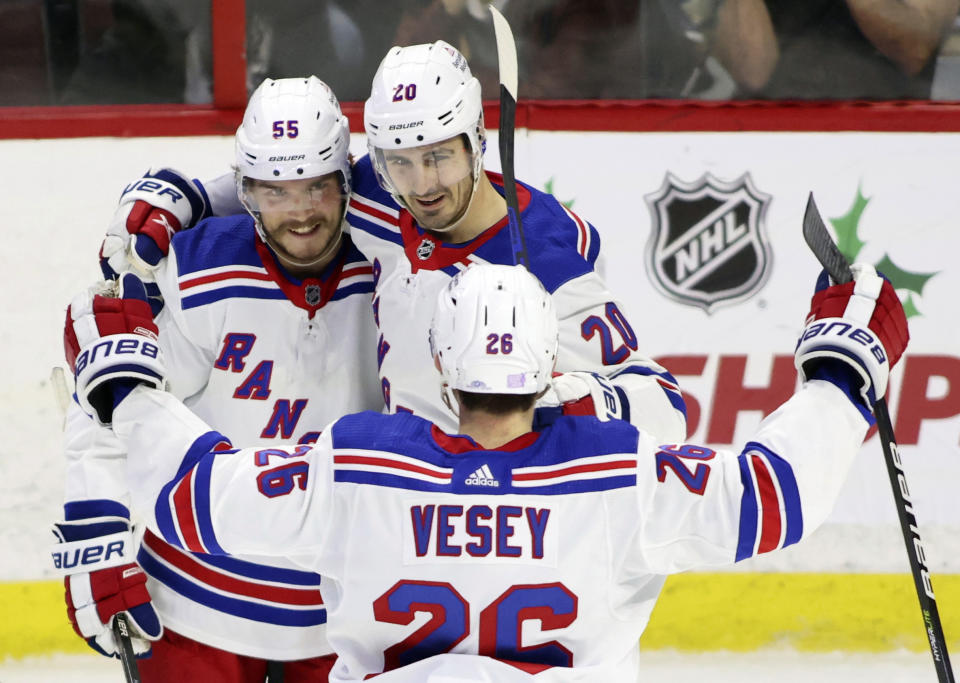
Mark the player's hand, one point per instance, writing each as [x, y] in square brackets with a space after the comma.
[861, 325]
[151, 210]
[585, 393]
[110, 343]
[96, 557]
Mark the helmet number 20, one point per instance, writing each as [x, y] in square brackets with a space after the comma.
[404, 92]
[288, 128]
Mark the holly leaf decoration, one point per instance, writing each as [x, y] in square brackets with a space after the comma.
[848, 239]
[548, 188]
[900, 278]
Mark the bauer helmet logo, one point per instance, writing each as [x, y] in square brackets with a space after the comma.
[707, 245]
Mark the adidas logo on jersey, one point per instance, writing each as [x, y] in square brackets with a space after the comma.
[483, 477]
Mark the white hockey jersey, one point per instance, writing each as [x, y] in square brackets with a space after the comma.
[411, 267]
[546, 554]
[266, 360]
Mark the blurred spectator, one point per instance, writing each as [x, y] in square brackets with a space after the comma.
[24, 78]
[145, 51]
[138, 59]
[588, 49]
[853, 49]
[291, 38]
[577, 49]
[466, 25]
[946, 72]
[706, 49]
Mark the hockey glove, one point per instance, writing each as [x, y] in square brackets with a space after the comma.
[581, 393]
[96, 557]
[110, 342]
[151, 210]
[860, 324]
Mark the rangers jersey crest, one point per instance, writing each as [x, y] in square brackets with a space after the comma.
[707, 245]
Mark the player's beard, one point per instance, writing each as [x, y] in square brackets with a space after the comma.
[307, 249]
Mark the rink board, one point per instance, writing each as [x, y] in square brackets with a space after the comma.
[697, 612]
[732, 356]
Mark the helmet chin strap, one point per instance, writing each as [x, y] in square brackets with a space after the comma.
[449, 399]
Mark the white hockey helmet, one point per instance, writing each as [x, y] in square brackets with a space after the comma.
[494, 331]
[292, 129]
[422, 95]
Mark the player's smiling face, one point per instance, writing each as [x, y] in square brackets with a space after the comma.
[435, 181]
[300, 217]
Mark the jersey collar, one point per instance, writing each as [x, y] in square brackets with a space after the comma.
[427, 252]
[457, 444]
[310, 294]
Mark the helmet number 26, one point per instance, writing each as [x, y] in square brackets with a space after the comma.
[504, 341]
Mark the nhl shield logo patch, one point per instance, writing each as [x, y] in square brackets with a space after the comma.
[425, 249]
[707, 244]
[312, 294]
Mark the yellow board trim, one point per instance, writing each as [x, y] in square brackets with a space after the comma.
[697, 612]
[809, 612]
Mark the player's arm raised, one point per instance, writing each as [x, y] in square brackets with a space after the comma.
[702, 507]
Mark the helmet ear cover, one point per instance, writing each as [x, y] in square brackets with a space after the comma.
[494, 331]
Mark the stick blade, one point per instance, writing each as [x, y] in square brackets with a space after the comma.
[822, 245]
[506, 52]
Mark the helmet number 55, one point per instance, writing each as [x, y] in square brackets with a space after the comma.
[291, 130]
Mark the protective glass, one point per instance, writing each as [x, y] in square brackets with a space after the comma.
[302, 196]
[425, 171]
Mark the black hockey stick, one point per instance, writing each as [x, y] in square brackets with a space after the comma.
[121, 632]
[823, 247]
[507, 64]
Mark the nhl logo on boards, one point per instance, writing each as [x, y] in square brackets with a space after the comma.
[425, 249]
[312, 294]
[707, 245]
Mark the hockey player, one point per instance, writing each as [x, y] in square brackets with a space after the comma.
[424, 208]
[497, 550]
[267, 332]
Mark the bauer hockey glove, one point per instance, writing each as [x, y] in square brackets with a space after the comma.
[96, 557]
[581, 393]
[859, 326]
[151, 210]
[110, 343]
